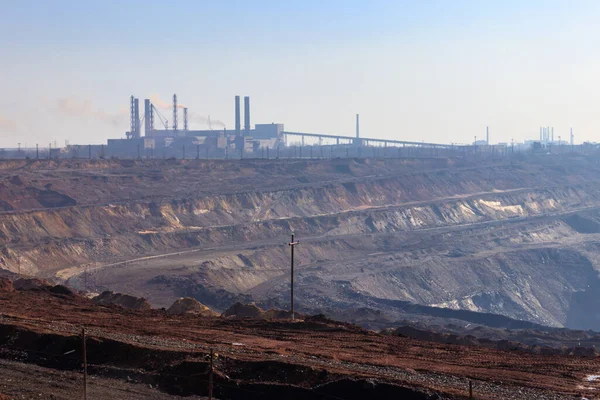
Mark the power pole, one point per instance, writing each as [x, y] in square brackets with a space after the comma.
[292, 243]
[84, 355]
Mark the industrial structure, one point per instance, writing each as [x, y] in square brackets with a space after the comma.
[159, 138]
[162, 138]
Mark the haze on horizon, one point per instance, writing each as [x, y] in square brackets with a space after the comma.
[431, 70]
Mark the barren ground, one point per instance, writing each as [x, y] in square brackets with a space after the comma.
[151, 347]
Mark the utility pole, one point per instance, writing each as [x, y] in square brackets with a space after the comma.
[292, 243]
[84, 355]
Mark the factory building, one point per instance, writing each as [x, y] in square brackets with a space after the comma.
[169, 140]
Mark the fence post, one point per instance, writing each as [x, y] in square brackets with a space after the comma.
[210, 377]
[84, 355]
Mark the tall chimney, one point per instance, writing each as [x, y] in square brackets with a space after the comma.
[238, 122]
[137, 118]
[132, 117]
[151, 120]
[572, 137]
[487, 135]
[553, 134]
[175, 113]
[545, 135]
[246, 116]
[357, 126]
[185, 119]
[147, 118]
[541, 134]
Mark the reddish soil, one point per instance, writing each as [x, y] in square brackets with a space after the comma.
[281, 358]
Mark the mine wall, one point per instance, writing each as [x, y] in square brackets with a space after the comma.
[341, 220]
[43, 241]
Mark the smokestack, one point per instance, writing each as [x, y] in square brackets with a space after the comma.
[541, 134]
[132, 117]
[357, 126]
[545, 135]
[175, 113]
[571, 136]
[185, 119]
[246, 115]
[137, 118]
[147, 118]
[238, 122]
[487, 135]
[151, 120]
[552, 134]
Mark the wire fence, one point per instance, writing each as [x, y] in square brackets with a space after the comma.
[199, 383]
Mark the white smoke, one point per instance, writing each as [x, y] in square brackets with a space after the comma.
[7, 124]
[159, 103]
[84, 108]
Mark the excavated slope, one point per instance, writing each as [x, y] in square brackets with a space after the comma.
[517, 238]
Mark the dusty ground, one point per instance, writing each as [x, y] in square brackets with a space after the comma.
[152, 347]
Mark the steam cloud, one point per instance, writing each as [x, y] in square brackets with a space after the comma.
[199, 119]
[7, 124]
[77, 108]
[158, 102]
[192, 118]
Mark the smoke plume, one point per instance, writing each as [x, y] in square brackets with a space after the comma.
[200, 119]
[7, 125]
[71, 107]
[159, 103]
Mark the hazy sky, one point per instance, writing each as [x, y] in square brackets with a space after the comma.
[437, 71]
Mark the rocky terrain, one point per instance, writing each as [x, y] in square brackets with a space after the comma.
[382, 240]
[135, 354]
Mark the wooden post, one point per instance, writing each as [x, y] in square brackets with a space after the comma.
[210, 376]
[292, 244]
[84, 355]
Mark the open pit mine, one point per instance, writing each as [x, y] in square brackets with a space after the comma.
[440, 271]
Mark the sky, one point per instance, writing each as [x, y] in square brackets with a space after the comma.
[422, 70]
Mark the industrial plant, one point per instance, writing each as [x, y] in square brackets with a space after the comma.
[161, 138]
[164, 138]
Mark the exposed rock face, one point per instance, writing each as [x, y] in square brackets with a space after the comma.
[123, 300]
[516, 238]
[187, 305]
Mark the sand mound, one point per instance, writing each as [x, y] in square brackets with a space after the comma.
[123, 300]
[6, 285]
[31, 284]
[239, 310]
[187, 305]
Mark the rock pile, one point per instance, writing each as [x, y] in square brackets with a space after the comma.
[123, 300]
[187, 305]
